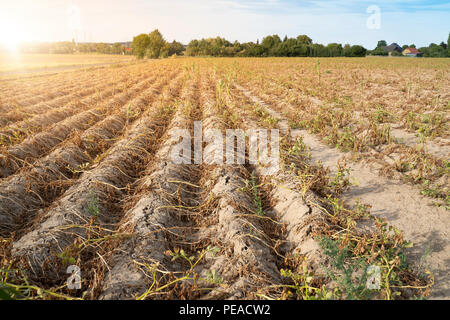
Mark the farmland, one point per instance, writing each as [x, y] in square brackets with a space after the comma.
[13, 63]
[87, 181]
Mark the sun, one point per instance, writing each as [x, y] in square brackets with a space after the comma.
[12, 35]
[9, 43]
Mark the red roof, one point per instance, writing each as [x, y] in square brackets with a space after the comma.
[412, 50]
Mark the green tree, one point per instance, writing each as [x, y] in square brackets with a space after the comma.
[358, 51]
[448, 45]
[381, 43]
[379, 52]
[435, 50]
[164, 51]
[176, 48]
[347, 50]
[304, 39]
[270, 43]
[157, 46]
[335, 50]
[140, 44]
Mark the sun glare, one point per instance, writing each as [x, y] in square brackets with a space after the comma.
[12, 35]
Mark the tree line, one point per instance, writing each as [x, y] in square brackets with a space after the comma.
[272, 46]
[153, 45]
[71, 47]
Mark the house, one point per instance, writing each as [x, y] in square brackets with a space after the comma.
[412, 52]
[392, 48]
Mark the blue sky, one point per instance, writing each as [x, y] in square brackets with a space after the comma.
[325, 21]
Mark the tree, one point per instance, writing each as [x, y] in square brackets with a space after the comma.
[176, 48]
[269, 43]
[347, 50]
[117, 48]
[304, 39]
[192, 48]
[358, 51]
[291, 47]
[164, 51]
[318, 50]
[102, 48]
[381, 43]
[435, 50]
[334, 50]
[216, 47]
[157, 46]
[140, 44]
[448, 45]
[379, 52]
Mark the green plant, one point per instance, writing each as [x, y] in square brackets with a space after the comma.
[257, 201]
[213, 278]
[14, 285]
[341, 180]
[93, 208]
[381, 115]
[351, 286]
[318, 69]
[302, 284]
[66, 257]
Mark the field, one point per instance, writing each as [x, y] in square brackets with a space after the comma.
[11, 64]
[87, 181]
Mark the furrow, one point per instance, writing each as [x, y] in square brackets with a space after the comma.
[24, 193]
[247, 262]
[93, 199]
[31, 88]
[37, 145]
[28, 112]
[31, 95]
[14, 132]
[395, 201]
[154, 213]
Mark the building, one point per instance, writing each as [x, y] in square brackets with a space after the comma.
[392, 48]
[412, 52]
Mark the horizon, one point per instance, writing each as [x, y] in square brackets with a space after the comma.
[102, 21]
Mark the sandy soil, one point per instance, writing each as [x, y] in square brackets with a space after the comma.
[427, 226]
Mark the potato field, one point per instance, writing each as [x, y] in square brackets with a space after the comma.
[358, 209]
